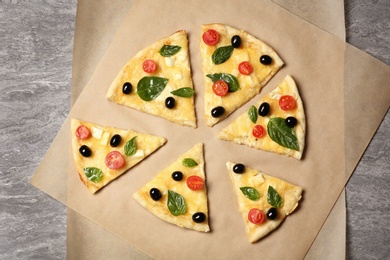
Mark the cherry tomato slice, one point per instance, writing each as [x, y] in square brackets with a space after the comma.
[245, 68]
[220, 88]
[256, 216]
[195, 182]
[82, 132]
[258, 131]
[210, 37]
[149, 66]
[114, 160]
[287, 103]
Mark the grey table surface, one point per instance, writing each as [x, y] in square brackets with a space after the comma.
[35, 81]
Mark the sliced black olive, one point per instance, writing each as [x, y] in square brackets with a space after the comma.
[272, 213]
[199, 217]
[155, 194]
[291, 121]
[127, 88]
[217, 111]
[115, 140]
[170, 102]
[265, 60]
[85, 151]
[177, 176]
[264, 109]
[236, 41]
[239, 168]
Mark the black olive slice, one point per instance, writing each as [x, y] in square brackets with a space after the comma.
[291, 121]
[199, 217]
[115, 140]
[217, 111]
[177, 176]
[239, 168]
[155, 194]
[264, 109]
[170, 102]
[236, 41]
[85, 151]
[265, 60]
[127, 88]
[272, 213]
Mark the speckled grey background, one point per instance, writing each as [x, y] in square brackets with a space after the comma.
[35, 80]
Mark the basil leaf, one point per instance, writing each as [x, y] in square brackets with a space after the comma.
[273, 198]
[252, 113]
[169, 50]
[148, 88]
[222, 54]
[93, 174]
[130, 147]
[228, 78]
[250, 193]
[189, 162]
[282, 134]
[183, 92]
[176, 204]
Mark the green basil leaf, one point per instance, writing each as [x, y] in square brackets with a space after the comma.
[282, 134]
[228, 78]
[183, 92]
[131, 147]
[222, 54]
[148, 88]
[169, 50]
[250, 193]
[273, 198]
[252, 113]
[93, 174]
[189, 162]
[176, 204]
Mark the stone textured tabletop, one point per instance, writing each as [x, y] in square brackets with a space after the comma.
[35, 81]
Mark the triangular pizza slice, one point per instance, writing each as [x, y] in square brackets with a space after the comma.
[102, 153]
[276, 123]
[263, 201]
[157, 80]
[236, 65]
[178, 194]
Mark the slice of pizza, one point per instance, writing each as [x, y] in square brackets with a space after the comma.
[263, 201]
[157, 80]
[276, 123]
[178, 194]
[102, 154]
[236, 65]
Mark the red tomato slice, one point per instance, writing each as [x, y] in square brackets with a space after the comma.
[245, 68]
[82, 132]
[287, 103]
[195, 182]
[220, 88]
[114, 160]
[210, 37]
[149, 66]
[256, 216]
[258, 131]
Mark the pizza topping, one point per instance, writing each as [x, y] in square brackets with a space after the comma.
[114, 160]
[176, 204]
[287, 103]
[210, 37]
[291, 121]
[170, 102]
[239, 168]
[127, 88]
[222, 54]
[236, 41]
[280, 133]
[195, 182]
[85, 151]
[130, 147]
[155, 194]
[245, 68]
[220, 88]
[115, 140]
[169, 50]
[272, 213]
[96, 132]
[149, 66]
[183, 92]
[250, 192]
[189, 162]
[273, 198]
[264, 109]
[252, 113]
[82, 132]
[149, 88]
[93, 174]
[177, 175]
[228, 78]
[258, 131]
[217, 111]
[256, 216]
[265, 60]
[199, 217]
